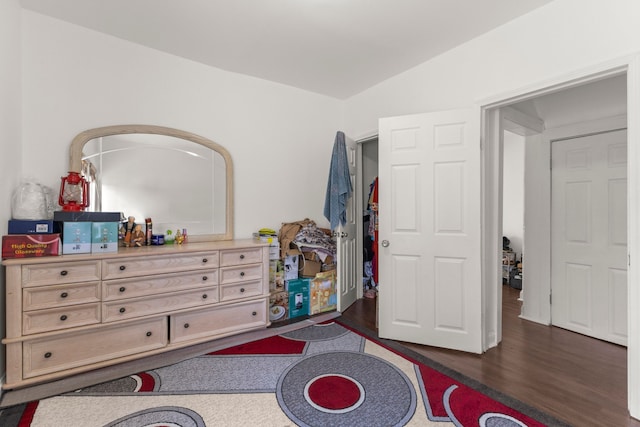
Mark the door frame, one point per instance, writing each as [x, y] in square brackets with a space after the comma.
[491, 135]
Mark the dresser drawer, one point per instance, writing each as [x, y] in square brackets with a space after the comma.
[44, 356]
[55, 319]
[217, 321]
[161, 303]
[132, 267]
[60, 273]
[60, 295]
[240, 290]
[241, 273]
[240, 256]
[141, 286]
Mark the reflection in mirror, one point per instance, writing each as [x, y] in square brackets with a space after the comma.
[176, 178]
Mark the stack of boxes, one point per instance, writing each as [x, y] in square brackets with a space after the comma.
[67, 233]
[88, 232]
[297, 283]
[31, 238]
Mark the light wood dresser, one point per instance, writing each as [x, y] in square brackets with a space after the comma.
[74, 313]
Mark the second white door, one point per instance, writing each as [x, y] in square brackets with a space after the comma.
[589, 235]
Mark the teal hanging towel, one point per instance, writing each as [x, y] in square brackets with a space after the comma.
[339, 187]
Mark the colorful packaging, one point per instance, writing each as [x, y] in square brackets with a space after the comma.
[298, 297]
[104, 237]
[323, 292]
[30, 245]
[76, 238]
[279, 306]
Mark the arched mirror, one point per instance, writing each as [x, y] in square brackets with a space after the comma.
[176, 178]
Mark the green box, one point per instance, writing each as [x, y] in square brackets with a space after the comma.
[104, 237]
[76, 238]
[298, 297]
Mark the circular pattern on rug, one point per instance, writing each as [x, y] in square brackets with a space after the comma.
[318, 332]
[346, 388]
[165, 416]
[493, 419]
[334, 393]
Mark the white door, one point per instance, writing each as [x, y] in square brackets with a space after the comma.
[429, 229]
[589, 235]
[346, 240]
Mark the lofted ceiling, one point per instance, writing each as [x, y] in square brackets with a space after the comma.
[333, 47]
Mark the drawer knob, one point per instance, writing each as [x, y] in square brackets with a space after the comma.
[122, 289]
[204, 260]
[64, 272]
[186, 326]
[149, 334]
[242, 274]
[64, 295]
[254, 313]
[241, 290]
[204, 296]
[242, 256]
[63, 317]
[48, 354]
[122, 309]
[205, 278]
[123, 267]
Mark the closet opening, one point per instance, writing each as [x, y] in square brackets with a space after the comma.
[367, 209]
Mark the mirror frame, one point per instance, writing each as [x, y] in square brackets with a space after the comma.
[77, 144]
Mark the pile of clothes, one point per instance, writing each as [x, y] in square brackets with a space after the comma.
[307, 239]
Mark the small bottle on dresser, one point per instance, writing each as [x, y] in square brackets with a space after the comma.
[149, 230]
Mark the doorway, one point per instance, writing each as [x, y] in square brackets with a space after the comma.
[591, 108]
[366, 183]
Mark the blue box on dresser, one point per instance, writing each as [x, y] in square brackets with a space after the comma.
[27, 226]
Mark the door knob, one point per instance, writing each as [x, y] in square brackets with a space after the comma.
[343, 234]
[385, 243]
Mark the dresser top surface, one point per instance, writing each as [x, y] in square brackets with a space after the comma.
[142, 251]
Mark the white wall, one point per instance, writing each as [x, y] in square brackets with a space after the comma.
[513, 191]
[561, 37]
[280, 138]
[9, 124]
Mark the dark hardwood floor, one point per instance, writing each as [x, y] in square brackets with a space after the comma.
[577, 379]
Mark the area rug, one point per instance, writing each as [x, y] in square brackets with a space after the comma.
[322, 375]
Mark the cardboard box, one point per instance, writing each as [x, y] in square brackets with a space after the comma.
[310, 268]
[298, 297]
[30, 245]
[76, 238]
[25, 226]
[82, 216]
[279, 306]
[104, 237]
[312, 256]
[291, 267]
[323, 292]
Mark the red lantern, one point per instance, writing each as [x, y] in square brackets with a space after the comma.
[74, 192]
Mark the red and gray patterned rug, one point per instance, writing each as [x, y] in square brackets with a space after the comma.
[321, 375]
